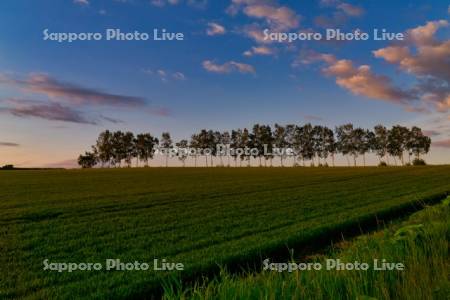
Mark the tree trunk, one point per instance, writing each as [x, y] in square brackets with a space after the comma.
[364, 159]
[354, 160]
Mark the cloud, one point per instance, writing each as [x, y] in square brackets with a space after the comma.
[51, 111]
[421, 55]
[431, 56]
[359, 80]
[255, 32]
[179, 76]
[275, 16]
[312, 118]
[159, 111]
[215, 29]
[111, 120]
[81, 2]
[162, 3]
[74, 96]
[335, 20]
[362, 81]
[68, 164]
[341, 14]
[350, 10]
[431, 132]
[347, 8]
[427, 58]
[442, 143]
[194, 3]
[71, 93]
[8, 144]
[165, 75]
[227, 67]
[260, 50]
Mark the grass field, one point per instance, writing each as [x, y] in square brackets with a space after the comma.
[421, 244]
[199, 217]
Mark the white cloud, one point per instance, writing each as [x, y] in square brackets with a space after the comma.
[165, 75]
[161, 3]
[178, 76]
[81, 2]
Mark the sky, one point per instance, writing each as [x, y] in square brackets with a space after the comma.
[57, 96]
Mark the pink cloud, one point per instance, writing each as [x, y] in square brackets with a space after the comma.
[442, 143]
[427, 58]
[72, 93]
[52, 111]
[343, 11]
[350, 10]
[227, 67]
[68, 164]
[215, 29]
[260, 50]
[362, 81]
[8, 144]
[276, 16]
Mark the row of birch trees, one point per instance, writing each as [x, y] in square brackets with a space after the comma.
[291, 145]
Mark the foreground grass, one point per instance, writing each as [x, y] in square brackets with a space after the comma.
[200, 217]
[421, 243]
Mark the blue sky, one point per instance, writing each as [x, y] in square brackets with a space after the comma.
[213, 78]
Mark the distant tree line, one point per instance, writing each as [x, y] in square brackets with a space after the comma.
[298, 144]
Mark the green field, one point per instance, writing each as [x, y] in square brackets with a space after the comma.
[199, 217]
[420, 243]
